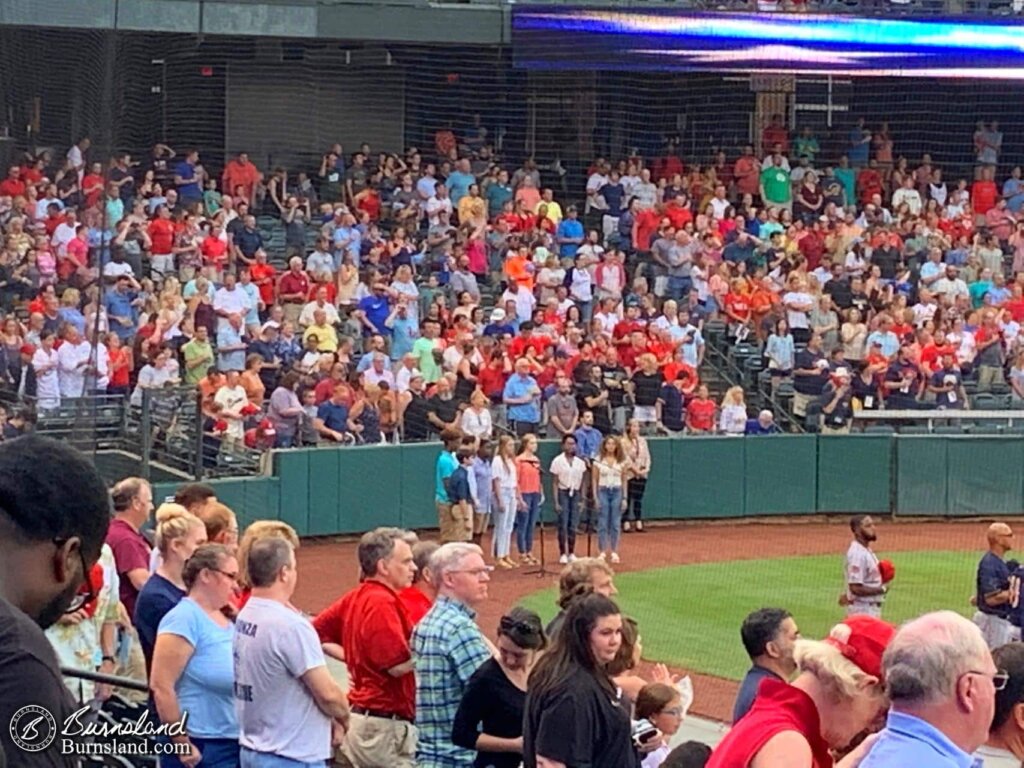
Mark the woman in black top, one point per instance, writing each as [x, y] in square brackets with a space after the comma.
[490, 716]
[574, 714]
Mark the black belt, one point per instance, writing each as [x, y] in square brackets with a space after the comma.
[382, 715]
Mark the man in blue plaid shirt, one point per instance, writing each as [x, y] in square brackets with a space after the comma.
[448, 647]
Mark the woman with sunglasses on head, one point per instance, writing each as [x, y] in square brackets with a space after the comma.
[490, 717]
[193, 665]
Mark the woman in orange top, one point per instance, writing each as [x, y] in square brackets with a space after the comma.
[519, 267]
[528, 512]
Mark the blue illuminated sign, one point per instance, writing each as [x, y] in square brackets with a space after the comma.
[586, 39]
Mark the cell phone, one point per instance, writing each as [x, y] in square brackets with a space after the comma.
[643, 732]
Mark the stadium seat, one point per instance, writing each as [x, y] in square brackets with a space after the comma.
[985, 429]
[983, 401]
[949, 429]
[879, 429]
[914, 429]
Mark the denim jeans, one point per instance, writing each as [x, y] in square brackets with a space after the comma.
[568, 520]
[609, 517]
[504, 519]
[251, 759]
[526, 522]
[217, 753]
[679, 287]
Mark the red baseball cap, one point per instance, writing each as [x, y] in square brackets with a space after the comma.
[28, 349]
[886, 570]
[862, 640]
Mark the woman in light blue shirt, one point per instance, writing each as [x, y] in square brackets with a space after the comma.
[193, 667]
[780, 352]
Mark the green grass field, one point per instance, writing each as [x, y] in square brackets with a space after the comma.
[690, 615]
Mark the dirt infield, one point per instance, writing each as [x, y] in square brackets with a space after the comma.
[328, 567]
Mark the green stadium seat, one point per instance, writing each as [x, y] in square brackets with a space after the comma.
[949, 429]
[879, 429]
[914, 429]
[984, 401]
[984, 429]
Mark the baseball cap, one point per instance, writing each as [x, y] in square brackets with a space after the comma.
[887, 570]
[632, 301]
[862, 640]
[268, 427]
[270, 325]
[28, 349]
[497, 315]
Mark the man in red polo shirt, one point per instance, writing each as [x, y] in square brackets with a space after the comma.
[371, 626]
[13, 185]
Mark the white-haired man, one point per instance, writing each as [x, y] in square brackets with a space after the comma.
[448, 647]
[942, 683]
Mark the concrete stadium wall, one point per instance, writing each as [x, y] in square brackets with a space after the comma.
[327, 491]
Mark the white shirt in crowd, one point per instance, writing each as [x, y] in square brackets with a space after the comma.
[797, 318]
[232, 400]
[47, 379]
[234, 302]
[274, 647]
[72, 360]
[306, 315]
[476, 424]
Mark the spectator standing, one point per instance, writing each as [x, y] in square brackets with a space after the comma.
[639, 457]
[942, 683]
[287, 703]
[178, 534]
[285, 410]
[444, 468]
[568, 473]
[732, 418]
[610, 471]
[810, 375]
[490, 716]
[769, 637]
[992, 593]
[372, 627]
[448, 648]
[521, 397]
[193, 673]
[837, 693]
[574, 713]
[1005, 746]
[51, 531]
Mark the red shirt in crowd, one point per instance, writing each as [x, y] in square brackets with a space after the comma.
[12, 187]
[520, 345]
[492, 380]
[701, 414]
[983, 196]
[161, 232]
[294, 283]
[263, 276]
[869, 181]
[647, 222]
[215, 251]
[371, 624]
[678, 215]
[1016, 307]
[416, 604]
[778, 707]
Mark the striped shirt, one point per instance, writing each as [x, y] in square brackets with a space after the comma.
[449, 648]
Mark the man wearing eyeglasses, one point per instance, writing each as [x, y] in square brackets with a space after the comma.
[448, 647]
[994, 597]
[52, 526]
[942, 683]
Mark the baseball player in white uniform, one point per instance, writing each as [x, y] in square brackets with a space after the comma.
[865, 591]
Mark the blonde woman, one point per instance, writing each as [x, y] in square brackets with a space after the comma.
[732, 419]
[639, 456]
[837, 694]
[505, 480]
[178, 533]
[609, 474]
[258, 531]
[476, 419]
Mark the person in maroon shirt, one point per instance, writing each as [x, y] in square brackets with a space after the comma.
[370, 625]
[13, 185]
[775, 133]
[292, 289]
[133, 505]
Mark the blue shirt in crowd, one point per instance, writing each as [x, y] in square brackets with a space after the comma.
[520, 386]
[908, 740]
[333, 416]
[446, 465]
[993, 576]
[569, 228]
[588, 440]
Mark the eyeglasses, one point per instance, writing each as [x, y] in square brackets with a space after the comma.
[674, 712]
[478, 572]
[232, 576]
[999, 679]
[81, 598]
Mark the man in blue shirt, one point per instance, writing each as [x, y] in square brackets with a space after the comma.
[332, 415]
[588, 438]
[231, 346]
[769, 636]
[992, 593]
[497, 194]
[569, 234]
[373, 311]
[942, 683]
[460, 525]
[189, 190]
[459, 181]
[764, 424]
[522, 398]
[121, 310]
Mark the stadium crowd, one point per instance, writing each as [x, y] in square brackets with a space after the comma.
[376, 297]
[205, 620]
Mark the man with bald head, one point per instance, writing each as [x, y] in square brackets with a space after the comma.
[993, 594]
[942, 683]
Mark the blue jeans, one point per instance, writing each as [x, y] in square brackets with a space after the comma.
[252, 759]
[609, 517]
[526, 521]
[679, 287]
[568, 520]
[217, 753]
